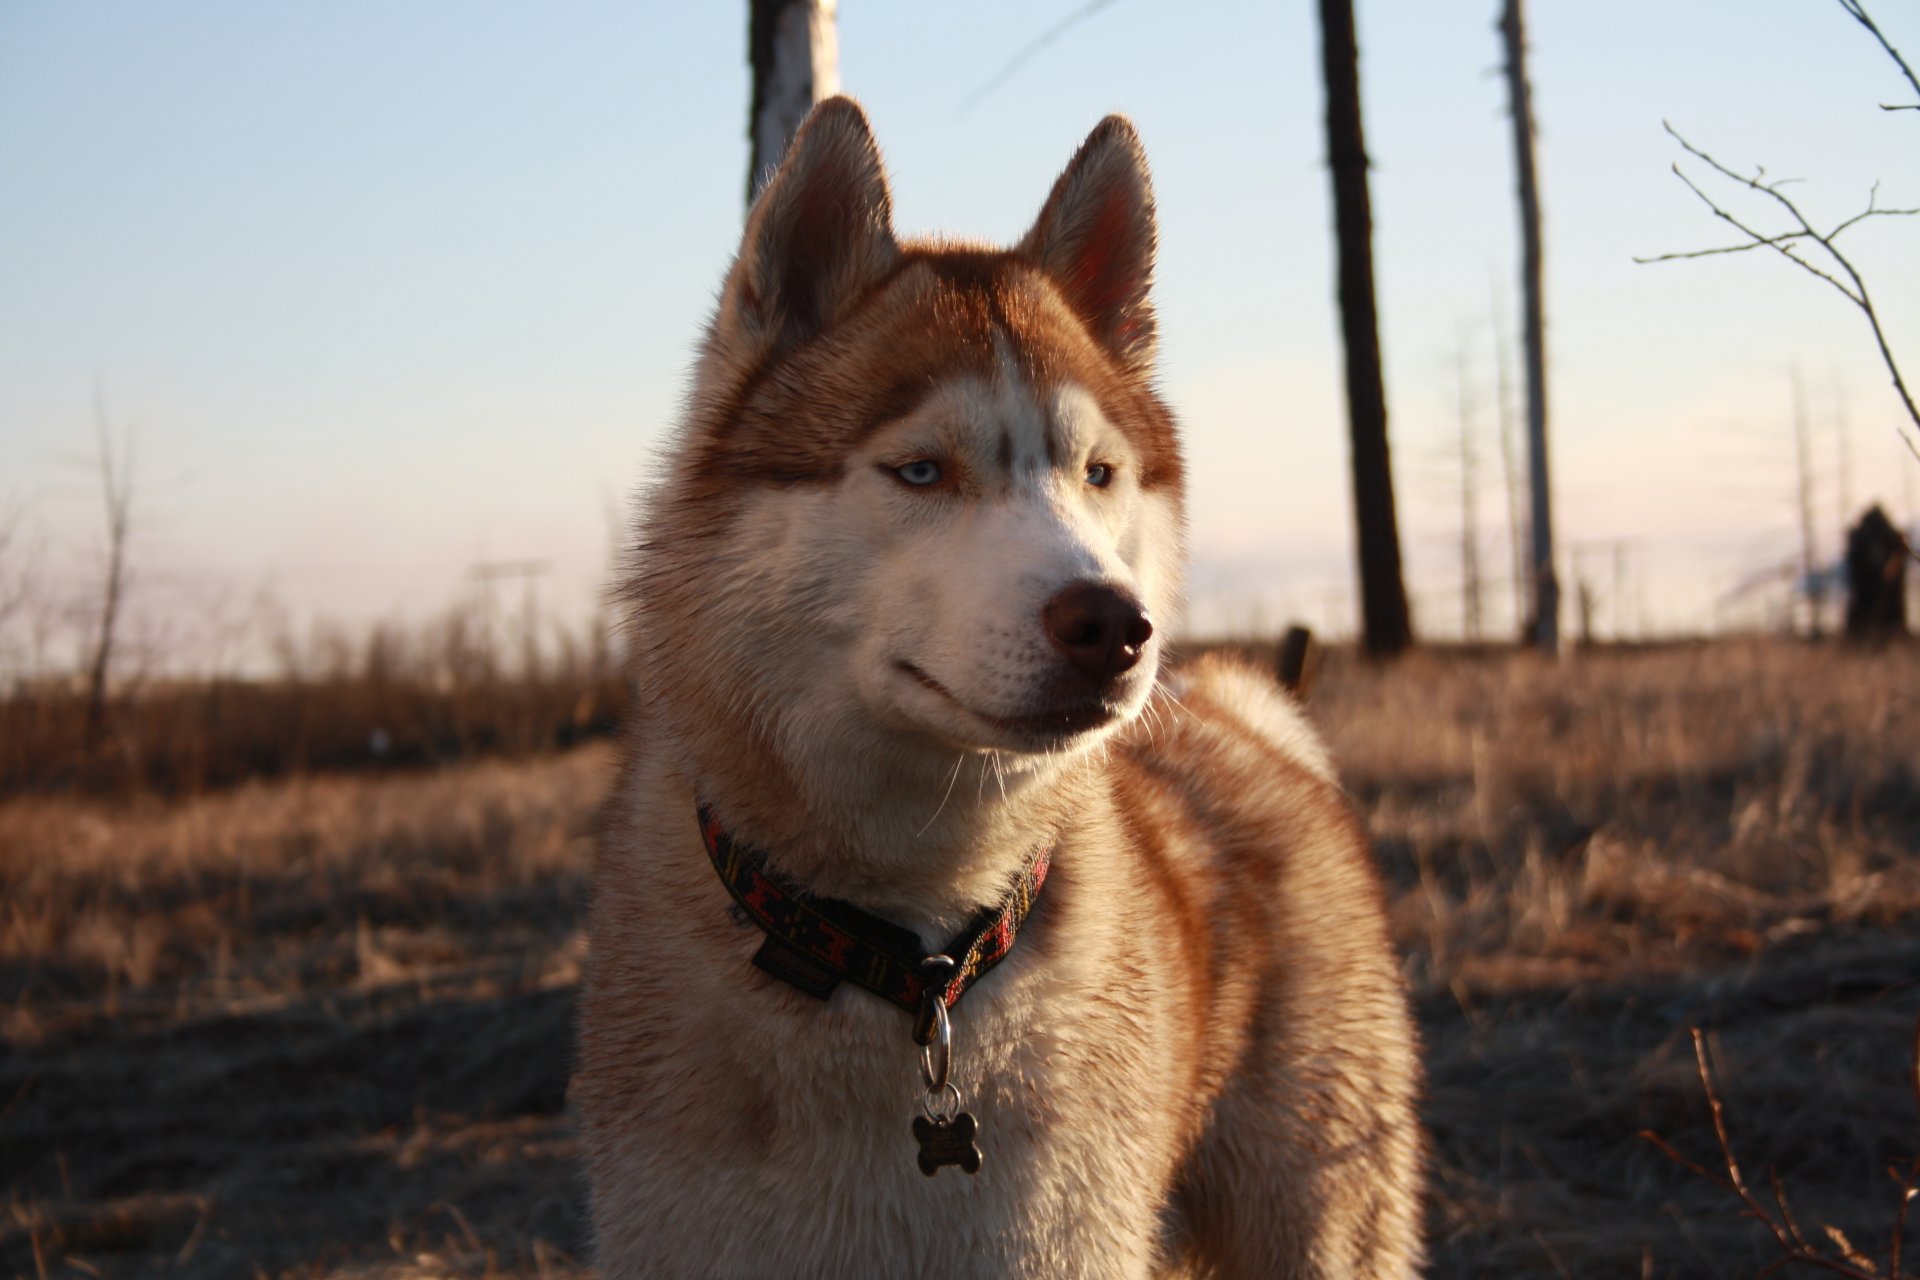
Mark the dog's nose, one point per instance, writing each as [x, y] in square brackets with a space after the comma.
[1099, 630]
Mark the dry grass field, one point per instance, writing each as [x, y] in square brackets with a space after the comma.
[320, 1026]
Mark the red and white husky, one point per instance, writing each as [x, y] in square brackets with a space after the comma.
[898, 606]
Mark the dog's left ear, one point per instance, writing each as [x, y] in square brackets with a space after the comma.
[1095, 239]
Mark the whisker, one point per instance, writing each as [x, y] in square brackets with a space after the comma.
[1150, 719]
[946, 795]
[1168, 694]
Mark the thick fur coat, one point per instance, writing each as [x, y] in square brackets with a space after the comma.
[895, 600]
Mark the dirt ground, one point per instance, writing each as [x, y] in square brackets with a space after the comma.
[322, 1027]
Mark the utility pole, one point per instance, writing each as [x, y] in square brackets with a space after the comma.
[1546, 588]
[1386, 627]
[1579, 555]
[528, 573]
[793, 47]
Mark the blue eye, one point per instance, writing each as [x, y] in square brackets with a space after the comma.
[919, 473]
[1099, 475]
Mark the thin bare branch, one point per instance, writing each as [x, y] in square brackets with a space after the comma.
[1786, 1211]
[1025, 55]
[1776, 243]
[1838, 271]
[1864, 214]
[1795, 1249]
[1765, 242]
[1668, 1150]
[1906, 1184]
[1857, 10]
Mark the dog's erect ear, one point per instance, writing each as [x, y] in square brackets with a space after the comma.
[1095, 238]
[820, 233]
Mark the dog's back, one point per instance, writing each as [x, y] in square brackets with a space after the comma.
[1270, 901]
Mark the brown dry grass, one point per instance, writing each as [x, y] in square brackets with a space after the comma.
[185, 737]
[321, 1027]
[1589, 860]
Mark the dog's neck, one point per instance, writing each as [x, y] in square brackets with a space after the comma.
[899, 833]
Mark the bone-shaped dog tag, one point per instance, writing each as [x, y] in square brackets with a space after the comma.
[945, 1142]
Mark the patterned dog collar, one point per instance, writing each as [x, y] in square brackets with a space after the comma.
[814, 944]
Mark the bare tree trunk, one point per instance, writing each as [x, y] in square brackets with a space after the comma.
[794, 49]
[1546, 588]
[116, 488]
[1509, 464]
[1470, 610]
[1803, 467]
[1386, 629]
[1843, 442]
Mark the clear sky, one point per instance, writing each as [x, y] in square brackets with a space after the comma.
[386, 289]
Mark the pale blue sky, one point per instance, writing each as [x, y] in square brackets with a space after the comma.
[385, 289]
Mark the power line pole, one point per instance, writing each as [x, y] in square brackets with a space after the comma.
[527, 573]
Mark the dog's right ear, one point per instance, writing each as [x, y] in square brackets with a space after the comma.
[820, 233]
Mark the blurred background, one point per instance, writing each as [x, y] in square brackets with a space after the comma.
[391, 306]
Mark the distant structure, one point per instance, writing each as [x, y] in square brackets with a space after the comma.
[1876, 578]
[1297, 660]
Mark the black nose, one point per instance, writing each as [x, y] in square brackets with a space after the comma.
[1099, 630]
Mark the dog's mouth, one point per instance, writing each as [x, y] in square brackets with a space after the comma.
[1054, 723]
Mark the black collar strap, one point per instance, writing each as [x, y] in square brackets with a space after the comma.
[816, 943]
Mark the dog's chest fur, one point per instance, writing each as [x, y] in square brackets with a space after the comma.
[801, 1111]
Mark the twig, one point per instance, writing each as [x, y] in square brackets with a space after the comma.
[1020, 59]
[1853, 288]
[1795, 1248]
[1900, 1218]
[1754, 1208]
[1916, 1061]
[1857, 10]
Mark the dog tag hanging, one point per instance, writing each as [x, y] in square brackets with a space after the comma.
[948, 1141]
[945, 1133]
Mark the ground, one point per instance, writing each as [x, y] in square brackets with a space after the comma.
[321, 1027]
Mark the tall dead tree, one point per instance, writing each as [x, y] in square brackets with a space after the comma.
[1386, 629]
[1546, 588]
[1470, 594]
[794, 49]
[1509, 463]
[116, 490]
[1843, 445]
[1810, 582]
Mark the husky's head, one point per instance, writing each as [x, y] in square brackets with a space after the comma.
[927, 500]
